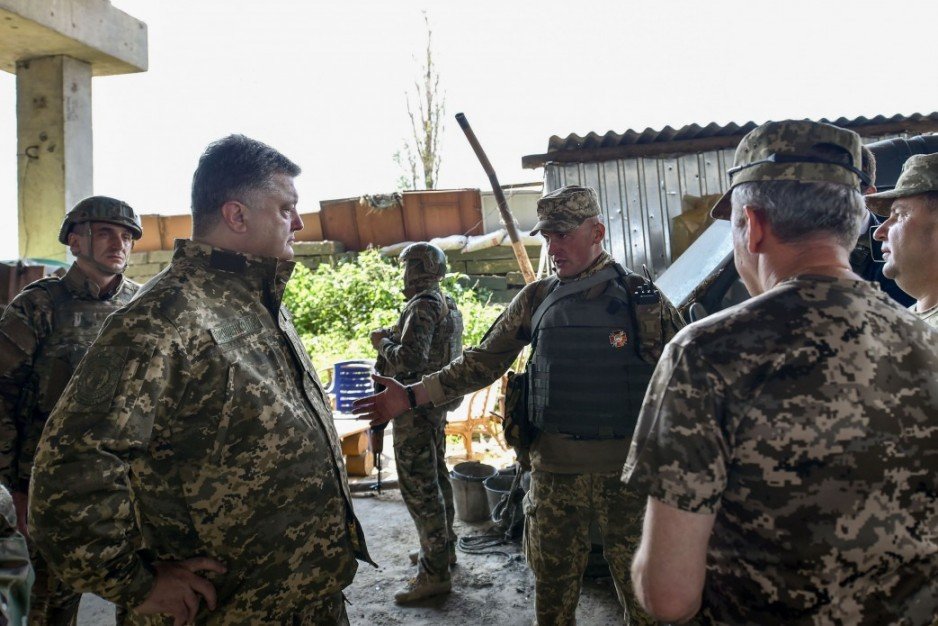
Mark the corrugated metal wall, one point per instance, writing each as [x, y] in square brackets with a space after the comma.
[640, 197]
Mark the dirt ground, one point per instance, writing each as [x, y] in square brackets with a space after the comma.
[487, 589]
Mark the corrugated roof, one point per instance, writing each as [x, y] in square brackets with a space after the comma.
[694, 138]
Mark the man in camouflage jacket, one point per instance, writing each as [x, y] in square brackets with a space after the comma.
[910, 233]
[44, 333]
[193, 455]
[789, 444]
[16, 575]
[427, 336]
[574, 479]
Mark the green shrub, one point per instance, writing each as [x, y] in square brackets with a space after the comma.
[335, 308]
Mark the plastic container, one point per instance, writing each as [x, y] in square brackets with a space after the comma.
[496, 487]
[468, 490]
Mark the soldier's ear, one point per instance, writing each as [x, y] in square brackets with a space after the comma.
[756, 225]
[74, 242]
[233, 215]
[599, 232]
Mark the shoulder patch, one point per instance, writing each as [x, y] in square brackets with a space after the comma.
[101, 372]
[231, 330]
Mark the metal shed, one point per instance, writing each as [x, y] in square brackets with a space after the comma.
[645, 179]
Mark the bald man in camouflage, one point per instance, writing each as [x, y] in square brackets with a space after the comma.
[789, 444]
[44, 333]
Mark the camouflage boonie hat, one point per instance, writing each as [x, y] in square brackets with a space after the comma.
[799, 150]
[101, 209]
[919, 175]
[564, 209]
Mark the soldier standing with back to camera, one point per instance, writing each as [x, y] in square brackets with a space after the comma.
[427, 336]
[44, 333]
[597, 331]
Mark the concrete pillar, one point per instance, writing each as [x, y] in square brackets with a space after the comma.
[54, 148]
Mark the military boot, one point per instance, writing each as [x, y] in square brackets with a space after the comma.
[420, 587]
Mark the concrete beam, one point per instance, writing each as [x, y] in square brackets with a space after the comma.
[93, 31]
[54, 148]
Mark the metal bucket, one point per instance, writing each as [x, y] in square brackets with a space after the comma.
[497, 487]
[469, 492]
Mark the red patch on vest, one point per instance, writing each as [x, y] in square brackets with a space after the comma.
[618, 339]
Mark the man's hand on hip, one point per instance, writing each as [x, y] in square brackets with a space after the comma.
[177, 589]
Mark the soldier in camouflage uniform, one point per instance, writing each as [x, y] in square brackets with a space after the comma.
[910, 233]
[44, 333]
[16, 575]
[586, 424]
[427, 336]
[193, 454]
[789, 444]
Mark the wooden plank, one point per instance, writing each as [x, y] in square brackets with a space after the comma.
[312, 227]
[379, 227]
[339, 223]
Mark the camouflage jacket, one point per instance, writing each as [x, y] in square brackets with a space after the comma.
[44, 333]
[16, 575]
[196, 425]
[427, 336]
[806, 420]
[481, 365]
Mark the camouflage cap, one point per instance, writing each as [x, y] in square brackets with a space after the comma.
[919, 175]
[564, 209]
[798, 150]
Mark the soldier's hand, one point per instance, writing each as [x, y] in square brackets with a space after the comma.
[21, 504]
[178, 588]
[377, 336]
[381, 408]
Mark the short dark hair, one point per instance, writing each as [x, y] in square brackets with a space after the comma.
[868, 167]
[229, 169]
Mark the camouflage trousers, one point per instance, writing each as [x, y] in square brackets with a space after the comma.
[52, 602]
[558, 511]
[419, 451]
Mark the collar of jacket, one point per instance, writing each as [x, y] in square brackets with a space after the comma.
[265, 276]
[78, 283]
[601, 261]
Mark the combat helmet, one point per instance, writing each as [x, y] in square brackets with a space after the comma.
[425, 259]
[101, 209]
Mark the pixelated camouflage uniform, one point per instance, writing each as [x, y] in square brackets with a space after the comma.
[196, 426]
[44, 333]
[806, 420]
[419, 343]
[573, 481]
[16, 576]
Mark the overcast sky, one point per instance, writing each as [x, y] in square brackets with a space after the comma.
[324, 82]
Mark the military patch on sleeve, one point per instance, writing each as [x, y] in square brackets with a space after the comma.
[100, 373]
[231, 330]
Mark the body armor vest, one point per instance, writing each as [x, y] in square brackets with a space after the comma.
[589, 370]
[75, 324]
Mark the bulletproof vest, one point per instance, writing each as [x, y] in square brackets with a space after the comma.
[447, 339]
[589, 369]
[75, 324]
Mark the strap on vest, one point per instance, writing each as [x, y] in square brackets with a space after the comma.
[602, 276]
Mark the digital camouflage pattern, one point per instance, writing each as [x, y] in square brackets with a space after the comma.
[806, 420]
[16, 575]
[558, 510]
[555, 454]
[564, 209]
[44, 333]
[428, 332]
[919, 175]
[798, 150]
[196, 426]
[41, 344]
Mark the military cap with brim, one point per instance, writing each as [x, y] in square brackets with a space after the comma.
[796, 150]
[564, 209]
[919, 175]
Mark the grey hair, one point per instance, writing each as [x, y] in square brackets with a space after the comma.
[797, 210]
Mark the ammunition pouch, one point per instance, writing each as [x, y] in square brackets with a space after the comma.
[519, 432]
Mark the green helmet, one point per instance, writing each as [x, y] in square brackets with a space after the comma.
[101, 209]
[425, 260]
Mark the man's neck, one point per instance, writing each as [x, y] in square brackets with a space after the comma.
[927, 302]
[817, 258]
[105, 282]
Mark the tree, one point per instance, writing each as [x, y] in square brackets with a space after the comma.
[425, 109]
